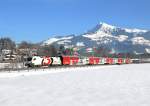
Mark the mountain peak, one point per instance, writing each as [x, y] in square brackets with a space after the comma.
[102, 26]
[107, 26]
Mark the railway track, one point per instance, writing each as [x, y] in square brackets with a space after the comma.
[45, 68]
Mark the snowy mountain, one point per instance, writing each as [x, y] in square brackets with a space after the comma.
[105, 35]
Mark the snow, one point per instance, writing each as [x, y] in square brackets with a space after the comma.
[122, 85]
[147, 50]
[80, 44]
[106, 27]
[63, 42]
[52, 40]
[100, 35]
[135, 30]
[105, 38]
[96, 35]
[122, 38]
[140, 40]
[104, 31]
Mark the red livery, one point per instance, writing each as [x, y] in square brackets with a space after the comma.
[75, 60]
[94, 60]
[70, 60]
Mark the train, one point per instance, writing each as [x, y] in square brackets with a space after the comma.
[39, 61]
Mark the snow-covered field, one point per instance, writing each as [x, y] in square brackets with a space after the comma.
[117, 85]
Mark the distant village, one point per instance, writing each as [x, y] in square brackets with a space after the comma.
[10, 51]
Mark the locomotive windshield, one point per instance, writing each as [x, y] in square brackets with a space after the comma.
[29, 58]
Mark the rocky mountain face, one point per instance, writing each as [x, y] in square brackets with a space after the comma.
[118, 40]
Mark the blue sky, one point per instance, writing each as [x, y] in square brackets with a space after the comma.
[37, 20]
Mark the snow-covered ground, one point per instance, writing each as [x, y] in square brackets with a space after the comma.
[122, 85]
